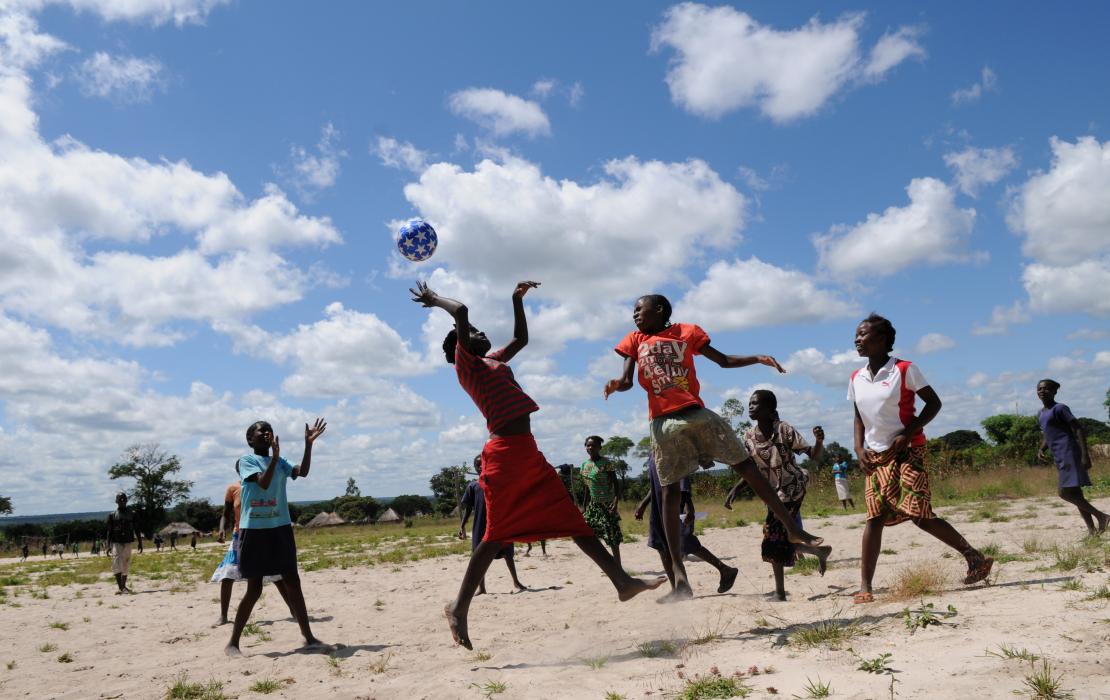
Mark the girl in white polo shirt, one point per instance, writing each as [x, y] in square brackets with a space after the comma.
[890, 446]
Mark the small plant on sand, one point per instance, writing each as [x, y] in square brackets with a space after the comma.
[182, 689]
[1042, 685]
[712, 687]
[381, 665]
[252, 629]
[491, 688]
[662, 647]
[804, 566]
[48, 647]
[10, 665]
[1072, 584]
[917, 580]
[815, 689]
[482, 656]
[65, 658]
[831, 634]
[762, 622]
[614, 696]
[333, 664]
[879, 664]
[888, 552]
[265, 687]
[59, 626]
[1005, 651]
[596, 662]
[1100, 593]
[711, 631]
[926, 616]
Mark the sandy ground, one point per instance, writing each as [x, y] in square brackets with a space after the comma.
[570, 638]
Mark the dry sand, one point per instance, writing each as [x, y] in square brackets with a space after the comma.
[539, 643]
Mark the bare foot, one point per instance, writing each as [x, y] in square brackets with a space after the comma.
[1102, 523]
[979, 571]
[233, 651]
[520, 587]
[803, 537]
[728, 577]
[457, 626]
[315, 646]
[780, 596]
[221, 621]
[677, 595]
[636, 586]
[823, 559]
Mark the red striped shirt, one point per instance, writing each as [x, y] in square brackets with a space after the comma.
[492, 387]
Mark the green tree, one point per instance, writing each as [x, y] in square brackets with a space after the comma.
[6, 505]
[154, 491]
[352, 488]
[616, 448]
[643, 447]
[1096, 431]
[732, 410]
[355, 508]
[199, 513]
[408, 505]
[1016, 436]
[1106, 403]
[447, 487]
[834, 452]
[960, 439]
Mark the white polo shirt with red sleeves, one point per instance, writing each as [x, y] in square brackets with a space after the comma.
[885, 401]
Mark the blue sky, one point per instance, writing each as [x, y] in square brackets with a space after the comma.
[198, 200]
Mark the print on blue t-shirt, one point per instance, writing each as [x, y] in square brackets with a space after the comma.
[263, 508]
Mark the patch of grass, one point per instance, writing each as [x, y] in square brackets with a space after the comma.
[482, 656]
[1072, 584]
[1005, 651]
[762, 622]
[610, 695]
[596, 662]
[888, 552]
[265, 687]
[831, 634]
[491, 688]
[712, 687]
[816, 689]
[804, 566]
[48, 647]
[65, 658]
[333, 664]
[926, 616]
[252, 629]
[1100, 593]
[662, 647]
[10, 665]
[1042, 685]
[1066, 558]
[917, 580]
[879, 664]
[182, 689]
[381, 665]
[59, 626]
[711, 631]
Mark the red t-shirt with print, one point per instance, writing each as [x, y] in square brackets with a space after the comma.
[665, 365]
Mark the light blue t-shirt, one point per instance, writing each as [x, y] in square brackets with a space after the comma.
[840, 470]
[263, 508]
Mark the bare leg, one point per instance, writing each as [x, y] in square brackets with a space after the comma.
[978, 566]
[481, 587]
[851, 503]
[728, 573]
[822, 553]
[666, 560]
[672, 530]
[242, 614]
[292, 583]
[543, 547]
[512, 572]
[457, 610]
[284, 591]
[869, 557]
[225, 600]
[780, 583]
[762, 488]
[1074, 496]
[627, 587]
[617, 554]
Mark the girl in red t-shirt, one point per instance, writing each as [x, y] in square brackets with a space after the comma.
[525, 500]
[685, 434]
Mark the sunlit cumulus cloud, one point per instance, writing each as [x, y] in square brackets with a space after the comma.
[975, 167]
[120, 78]
[933, 342]
[930, 229]
[319, 170]
[1002, 317]
[400, 154]
[725, 60]
[1064, 216]
[499, 112]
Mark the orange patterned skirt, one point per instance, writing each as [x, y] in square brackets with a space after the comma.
[898, 489]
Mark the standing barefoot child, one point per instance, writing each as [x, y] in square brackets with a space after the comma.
[474, 499]
[840, 480]
[683, 432]
[657, 539]
[890, 445]
[525, 500]
[602, 497]
[773, 444]
[122, 534]
[268, 547]
[1063, 435]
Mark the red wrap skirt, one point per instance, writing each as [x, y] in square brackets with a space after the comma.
[525, 499]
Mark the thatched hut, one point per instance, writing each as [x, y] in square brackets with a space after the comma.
[325, 520]
[389, 516]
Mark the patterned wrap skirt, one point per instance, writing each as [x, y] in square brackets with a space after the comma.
[898, 488]
[605, 523]
[776, 547]
[525, 499]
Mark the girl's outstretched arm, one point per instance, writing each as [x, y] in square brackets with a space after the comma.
[729, 361]
[624, 382]
[424, 296]
[520, 322]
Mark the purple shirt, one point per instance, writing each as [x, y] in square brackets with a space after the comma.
[1055, 424]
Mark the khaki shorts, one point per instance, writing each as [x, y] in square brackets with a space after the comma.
[683, 440]
[121, 558]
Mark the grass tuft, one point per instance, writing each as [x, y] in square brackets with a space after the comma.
[1005, 651]
[182, 689]
[831, 634]
[1042, 685]
[713, 687]
[918, 580]
[596, 662]
[662, 647]
[816, 689]
[491, 688]
[59, 626]
[265, 687]
[381, 665]
[48, 647]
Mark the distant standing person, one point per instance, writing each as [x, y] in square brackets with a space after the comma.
[24, 551]
[657, 537]
[1064, 438]
[268, 546]
[44, 549]
[890, 445]
[77, 550]
[602, 497]
[122, 535]
[840, 480]
[158, 541]
[474, 499]
[193, 541]
[173, 540]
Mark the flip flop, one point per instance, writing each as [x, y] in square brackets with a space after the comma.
[863, 597]
[979, 572]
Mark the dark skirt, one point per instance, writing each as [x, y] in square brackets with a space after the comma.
[268, 552]
[1071, 475]
[776, 547]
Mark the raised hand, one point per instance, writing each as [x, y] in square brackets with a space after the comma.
[423, 295]
[275, 448]
[611, 386]
[317, 429]
[771, 362]
[818, 433]
[523, 287]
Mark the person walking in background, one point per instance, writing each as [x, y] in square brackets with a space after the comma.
[602, 497]
[1063, 436]
[840, 481]
[474, 500]
[122, 535]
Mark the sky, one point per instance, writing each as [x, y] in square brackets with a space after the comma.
[199, 201]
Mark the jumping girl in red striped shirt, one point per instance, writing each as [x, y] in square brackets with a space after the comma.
[525, 501]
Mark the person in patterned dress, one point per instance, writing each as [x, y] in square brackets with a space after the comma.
[602, 497]
[890, 445]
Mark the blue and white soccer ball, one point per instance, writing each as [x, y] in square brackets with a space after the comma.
[417, 240]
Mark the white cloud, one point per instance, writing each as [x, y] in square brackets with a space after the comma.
[576, 93]
[930, 230]
[156, 12]
[1069, 288]
[543, 88]
[1065, 213]
[988, 82]
[725, 60]
[402, 154]
[933, 342]
[748, 293]
[1089, 334]
[120, 78]
[318, 171]
[833, 370]
[1002, 317]
[976, 167]
[500, 112]
[21, 44]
